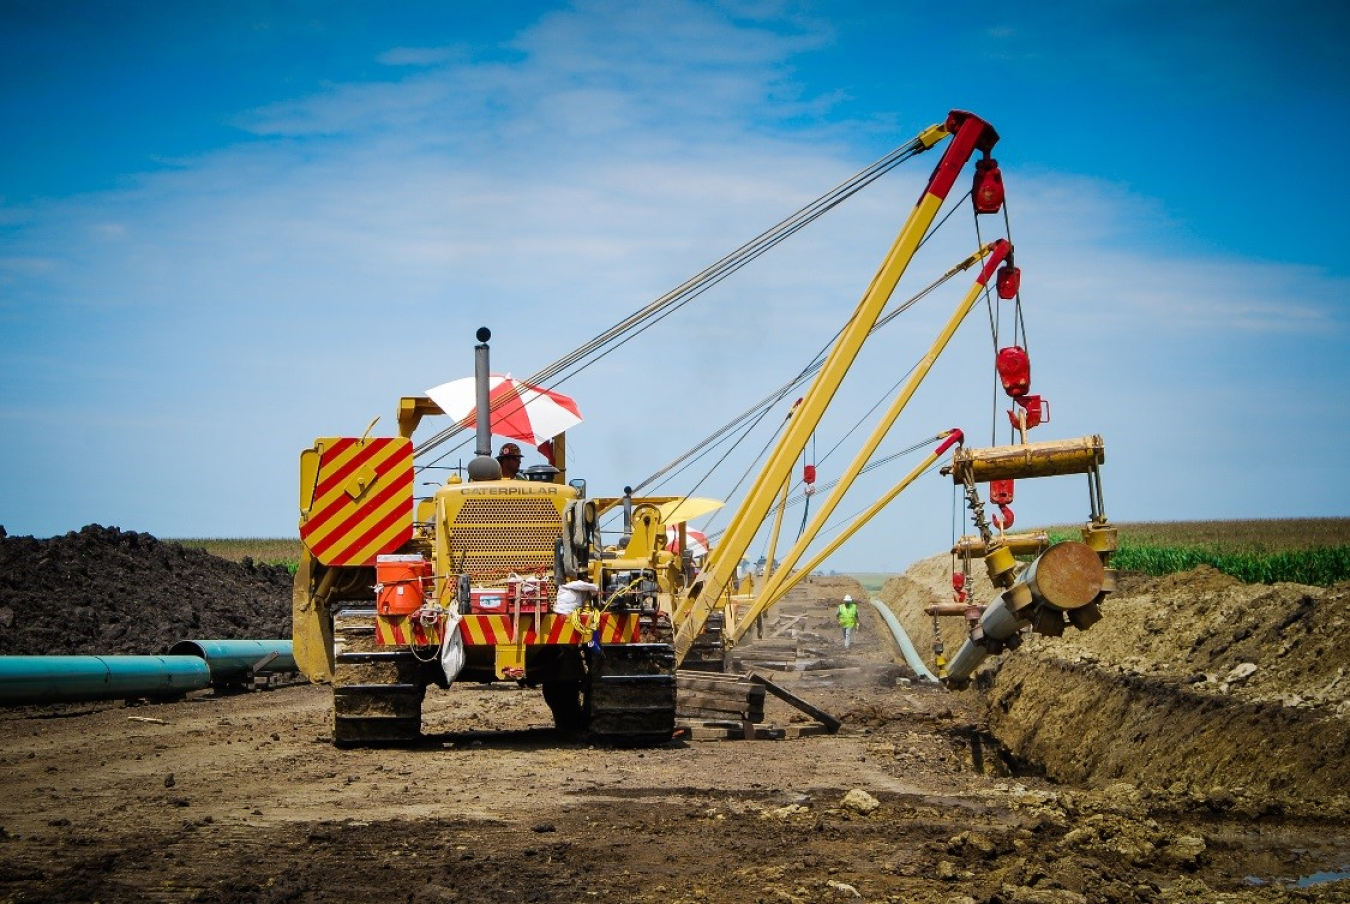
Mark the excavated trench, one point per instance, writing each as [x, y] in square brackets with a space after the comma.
[1084, 725]
[1192, 681]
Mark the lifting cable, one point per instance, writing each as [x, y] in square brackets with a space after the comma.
[1019, 324]
[783, 391]
[571, 364]
[870, 466]
[848, 519]
[760, 409]
[838, 522]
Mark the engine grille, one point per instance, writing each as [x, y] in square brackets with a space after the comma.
[495, 537]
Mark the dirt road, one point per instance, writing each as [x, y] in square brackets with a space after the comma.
[241, 798]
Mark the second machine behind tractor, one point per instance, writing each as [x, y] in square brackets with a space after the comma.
[495, 579]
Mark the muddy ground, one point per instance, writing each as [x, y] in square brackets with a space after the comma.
[241, 797]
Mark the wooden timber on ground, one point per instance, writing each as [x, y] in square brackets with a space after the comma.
[713, 706]
[830, 722]
[710, 695]
[723, 731]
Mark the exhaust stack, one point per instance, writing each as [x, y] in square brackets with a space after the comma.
[483, 466]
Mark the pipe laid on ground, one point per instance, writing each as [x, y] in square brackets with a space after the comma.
[77, 679]
[237, 660]
[902, 639]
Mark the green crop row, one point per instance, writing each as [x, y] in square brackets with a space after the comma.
[1320, 567]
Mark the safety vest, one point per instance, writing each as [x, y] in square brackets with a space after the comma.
[848, 615]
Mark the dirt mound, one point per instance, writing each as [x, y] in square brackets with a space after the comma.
[1193, 678]
[104, 591]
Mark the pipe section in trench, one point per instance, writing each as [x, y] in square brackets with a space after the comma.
[904, 643]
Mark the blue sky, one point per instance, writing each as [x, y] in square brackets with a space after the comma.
[228, 228]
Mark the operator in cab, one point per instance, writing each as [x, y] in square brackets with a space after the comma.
[509, 458]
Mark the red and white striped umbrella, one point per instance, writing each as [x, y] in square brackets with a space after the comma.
[530, 414]
[696, 541]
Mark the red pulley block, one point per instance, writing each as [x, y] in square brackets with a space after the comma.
[809, 474]
[1009, 281]
[959, 586]
[987, 194]
[1014, 369]
[1001, 492]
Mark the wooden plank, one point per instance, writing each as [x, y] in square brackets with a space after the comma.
[729, 678]
[831, 724]
[720, 711]
[747, 691]
[729, 732]
[721, 688]
[719, 701]
[714, 715]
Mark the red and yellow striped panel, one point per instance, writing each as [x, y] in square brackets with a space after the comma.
[402, 631]
[362, 502]
[489, 630]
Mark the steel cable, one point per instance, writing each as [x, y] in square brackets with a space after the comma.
[556, 373]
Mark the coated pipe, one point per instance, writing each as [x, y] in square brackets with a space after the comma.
[74, 679]
[902, 639]
[234, 660]
[999, 623]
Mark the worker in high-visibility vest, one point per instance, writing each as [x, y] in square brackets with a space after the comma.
[848, 619]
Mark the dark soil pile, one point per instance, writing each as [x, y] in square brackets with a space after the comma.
[104, 591]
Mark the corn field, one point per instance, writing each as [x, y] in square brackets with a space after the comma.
[1312, 551]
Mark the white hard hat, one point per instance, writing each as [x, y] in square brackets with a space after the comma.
[847, 598]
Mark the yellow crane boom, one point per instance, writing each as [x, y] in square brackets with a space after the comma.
[968, 133]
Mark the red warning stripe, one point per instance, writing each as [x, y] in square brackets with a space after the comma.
[341, 501]
[402, 631]
[347, 530]
[340, 532]
[340, 474]
[491, 630]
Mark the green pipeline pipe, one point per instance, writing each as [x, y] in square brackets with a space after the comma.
[76, 679]
[234, 660]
